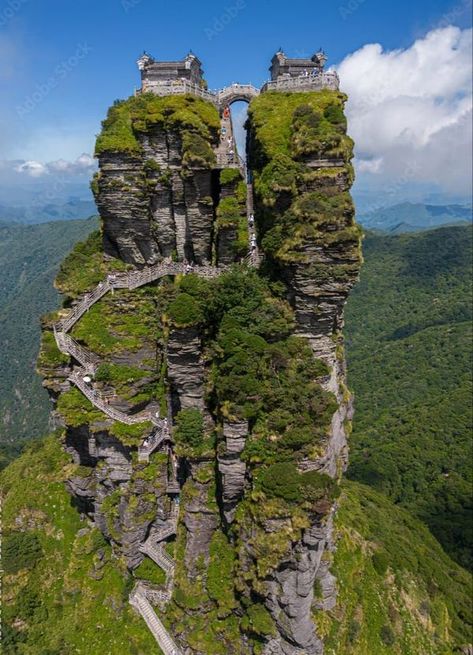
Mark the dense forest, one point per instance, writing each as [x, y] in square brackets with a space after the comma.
[29, 260]
[408, 341]
[408, 328]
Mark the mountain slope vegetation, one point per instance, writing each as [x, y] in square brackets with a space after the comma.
[29, 260]
[400, 594]
[409, 342]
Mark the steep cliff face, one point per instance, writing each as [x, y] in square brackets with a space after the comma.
[246, 366]
[202, 414]
[300, 155]
[154, 189]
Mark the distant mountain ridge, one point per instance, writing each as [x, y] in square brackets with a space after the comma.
[415, 217]
[55, 210]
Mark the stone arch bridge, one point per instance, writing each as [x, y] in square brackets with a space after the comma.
[235, 93]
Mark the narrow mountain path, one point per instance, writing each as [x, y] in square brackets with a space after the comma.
[141, 597]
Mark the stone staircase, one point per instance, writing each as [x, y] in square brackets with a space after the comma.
[152, 443]
[88, 360]
[154, 547]
[100, 401]
[226, 153]
[168, 530]
[158, 555]
[139, 600]
[254, 256]
[81, 375]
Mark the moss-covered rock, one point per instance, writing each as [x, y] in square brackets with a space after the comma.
[128, 119]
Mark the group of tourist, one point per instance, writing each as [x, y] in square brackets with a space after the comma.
[313, 73]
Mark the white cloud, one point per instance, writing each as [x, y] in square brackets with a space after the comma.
[33, 168]
[84, 164]
[410, 110]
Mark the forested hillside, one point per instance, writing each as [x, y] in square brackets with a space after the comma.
[401, 595]
[29, 259]
[408, 338]
[408, 328]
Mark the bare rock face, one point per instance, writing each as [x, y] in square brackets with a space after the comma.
[289, 589]
[199, 216]
[232, 469]
[123, 204]
[200, 519]
[151, 207]
[110, 491]
[185, 369]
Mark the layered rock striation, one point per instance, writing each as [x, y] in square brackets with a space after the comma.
[246, 367]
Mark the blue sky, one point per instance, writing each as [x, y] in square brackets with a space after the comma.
[63, 62]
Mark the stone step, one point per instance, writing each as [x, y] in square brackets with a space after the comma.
[158, 555]
[164, 639]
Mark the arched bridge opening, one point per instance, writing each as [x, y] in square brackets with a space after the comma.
[236, 93]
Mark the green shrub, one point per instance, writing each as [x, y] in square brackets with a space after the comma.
[77, 409]
[49, 355]
[281, 480]
[20, 550]
[189, 428]
[306, 116]
[387, 635]
[316, 486]
[119, 374]
[150, 572]
[103, 372]
[220, 573]
[228, 211]
[81, 269]
[229, 175]
[259, 621]
[354, 629]
[380, 561]
[185, 311]
[334, 113]
[197, 152]
[152, 166]
[279, 176]
[196, 286]
[131, 435]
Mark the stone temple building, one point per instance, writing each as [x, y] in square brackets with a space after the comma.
[282, 66]
[154, 73]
